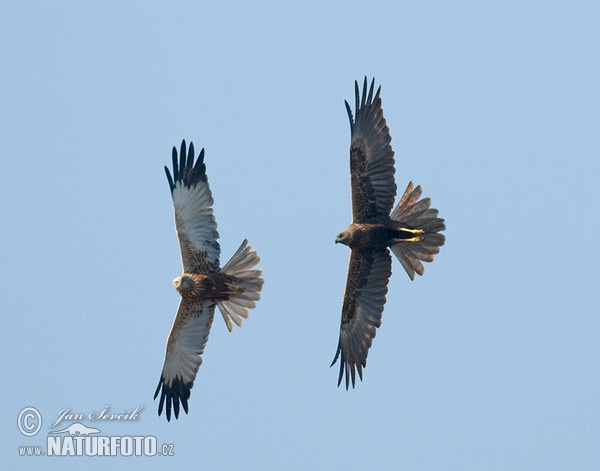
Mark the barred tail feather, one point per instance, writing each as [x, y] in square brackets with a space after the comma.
[248, 282]
[417, 214]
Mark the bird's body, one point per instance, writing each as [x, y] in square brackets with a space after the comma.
[376, 236]
[411, 231]
[200, 286]
[204, 284]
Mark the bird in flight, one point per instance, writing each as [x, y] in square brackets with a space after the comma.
[235, 288]
[411, 231]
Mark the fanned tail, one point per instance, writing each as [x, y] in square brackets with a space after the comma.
[248, 283]
[424, 221]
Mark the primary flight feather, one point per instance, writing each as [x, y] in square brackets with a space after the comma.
[203, 285]
[411, 230]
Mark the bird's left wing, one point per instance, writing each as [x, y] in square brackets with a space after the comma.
[185, 346]
[194, 220]
[364, 298]
[371, 158]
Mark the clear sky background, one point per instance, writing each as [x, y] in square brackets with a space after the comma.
[490, 361]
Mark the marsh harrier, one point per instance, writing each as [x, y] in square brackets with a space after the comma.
[411, 230]
[235, 287]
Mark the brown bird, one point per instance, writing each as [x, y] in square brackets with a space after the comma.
[235, 288]
[411, 231]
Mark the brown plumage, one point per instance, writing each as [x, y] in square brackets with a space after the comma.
[411, 231]
[235, 288]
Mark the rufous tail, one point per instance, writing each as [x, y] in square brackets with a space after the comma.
[248, 283]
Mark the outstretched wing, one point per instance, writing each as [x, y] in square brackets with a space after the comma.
[185, 346]
[194, 220]
[366, 287]
[371, 159]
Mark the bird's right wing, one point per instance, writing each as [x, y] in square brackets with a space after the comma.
[364, 298]
[185, 346]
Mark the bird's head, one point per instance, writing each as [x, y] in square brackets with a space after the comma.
[183, 283]
[343, 238]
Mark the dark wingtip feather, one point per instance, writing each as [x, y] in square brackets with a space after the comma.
[190, 156]
[362, 100]
[172, 397]
[170, 179]
[182, 158]
[335, 359]
[174, 161]
[356, 96]
[350, 116]
[364, 93]
[370, 98]
[377, 94]
[185, 170]
[157, 390]
[344, 367]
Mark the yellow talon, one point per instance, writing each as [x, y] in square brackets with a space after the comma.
[414, 239]
[414, 231]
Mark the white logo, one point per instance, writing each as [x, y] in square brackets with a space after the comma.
[77, 439]
[29, 421]
[78, 430]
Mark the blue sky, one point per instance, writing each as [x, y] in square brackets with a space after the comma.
[489, 361]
